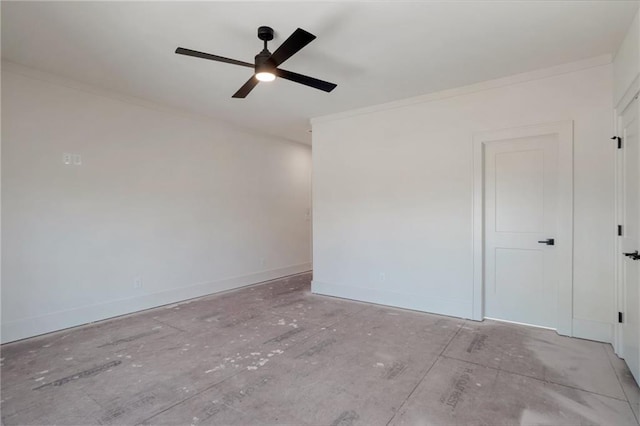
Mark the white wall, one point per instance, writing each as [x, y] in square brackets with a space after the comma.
[626, 63]
[189, 205]
[392, 192]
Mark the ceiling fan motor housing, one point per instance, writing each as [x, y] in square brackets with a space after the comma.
[261, 62]
[265, 34]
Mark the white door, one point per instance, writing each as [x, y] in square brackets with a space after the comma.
[630, 241]
[521, 221]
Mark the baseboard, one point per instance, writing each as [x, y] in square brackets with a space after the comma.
[29, 327]
[434, 305]
[593, 330]
[521, 323]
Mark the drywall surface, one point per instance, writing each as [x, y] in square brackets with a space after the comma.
[626, 63]
[163, 207]
[392, 195]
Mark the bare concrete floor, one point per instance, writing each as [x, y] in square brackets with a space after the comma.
[276, 354]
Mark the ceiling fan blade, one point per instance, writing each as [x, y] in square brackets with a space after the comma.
[195, 53]
[246, 88]
[306, 80]
[296, 41]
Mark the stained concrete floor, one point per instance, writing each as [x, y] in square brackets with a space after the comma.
[276, 354]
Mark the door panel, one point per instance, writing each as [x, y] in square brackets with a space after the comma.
[519, 279]
[519, 191]
[521, 274]
[631, 238]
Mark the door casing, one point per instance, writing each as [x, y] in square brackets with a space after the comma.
[564, 132]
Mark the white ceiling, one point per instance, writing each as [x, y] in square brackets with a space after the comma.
[375, 51]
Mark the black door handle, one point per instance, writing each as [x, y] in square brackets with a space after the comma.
[634, 255]
[548, 241]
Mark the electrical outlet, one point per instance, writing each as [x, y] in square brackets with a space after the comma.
[262, 261]
[71, 159]
[137, 282]
[383, 276]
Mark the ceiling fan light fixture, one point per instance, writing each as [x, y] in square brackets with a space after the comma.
[265, 76]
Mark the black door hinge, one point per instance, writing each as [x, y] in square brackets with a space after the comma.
[619, 140]
[620, 230]
[620, 317]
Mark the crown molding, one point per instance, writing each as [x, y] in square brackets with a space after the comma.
[473, 88]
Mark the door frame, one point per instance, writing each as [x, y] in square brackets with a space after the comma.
[564, 130]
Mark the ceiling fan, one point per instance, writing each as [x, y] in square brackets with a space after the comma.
[266, 63]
